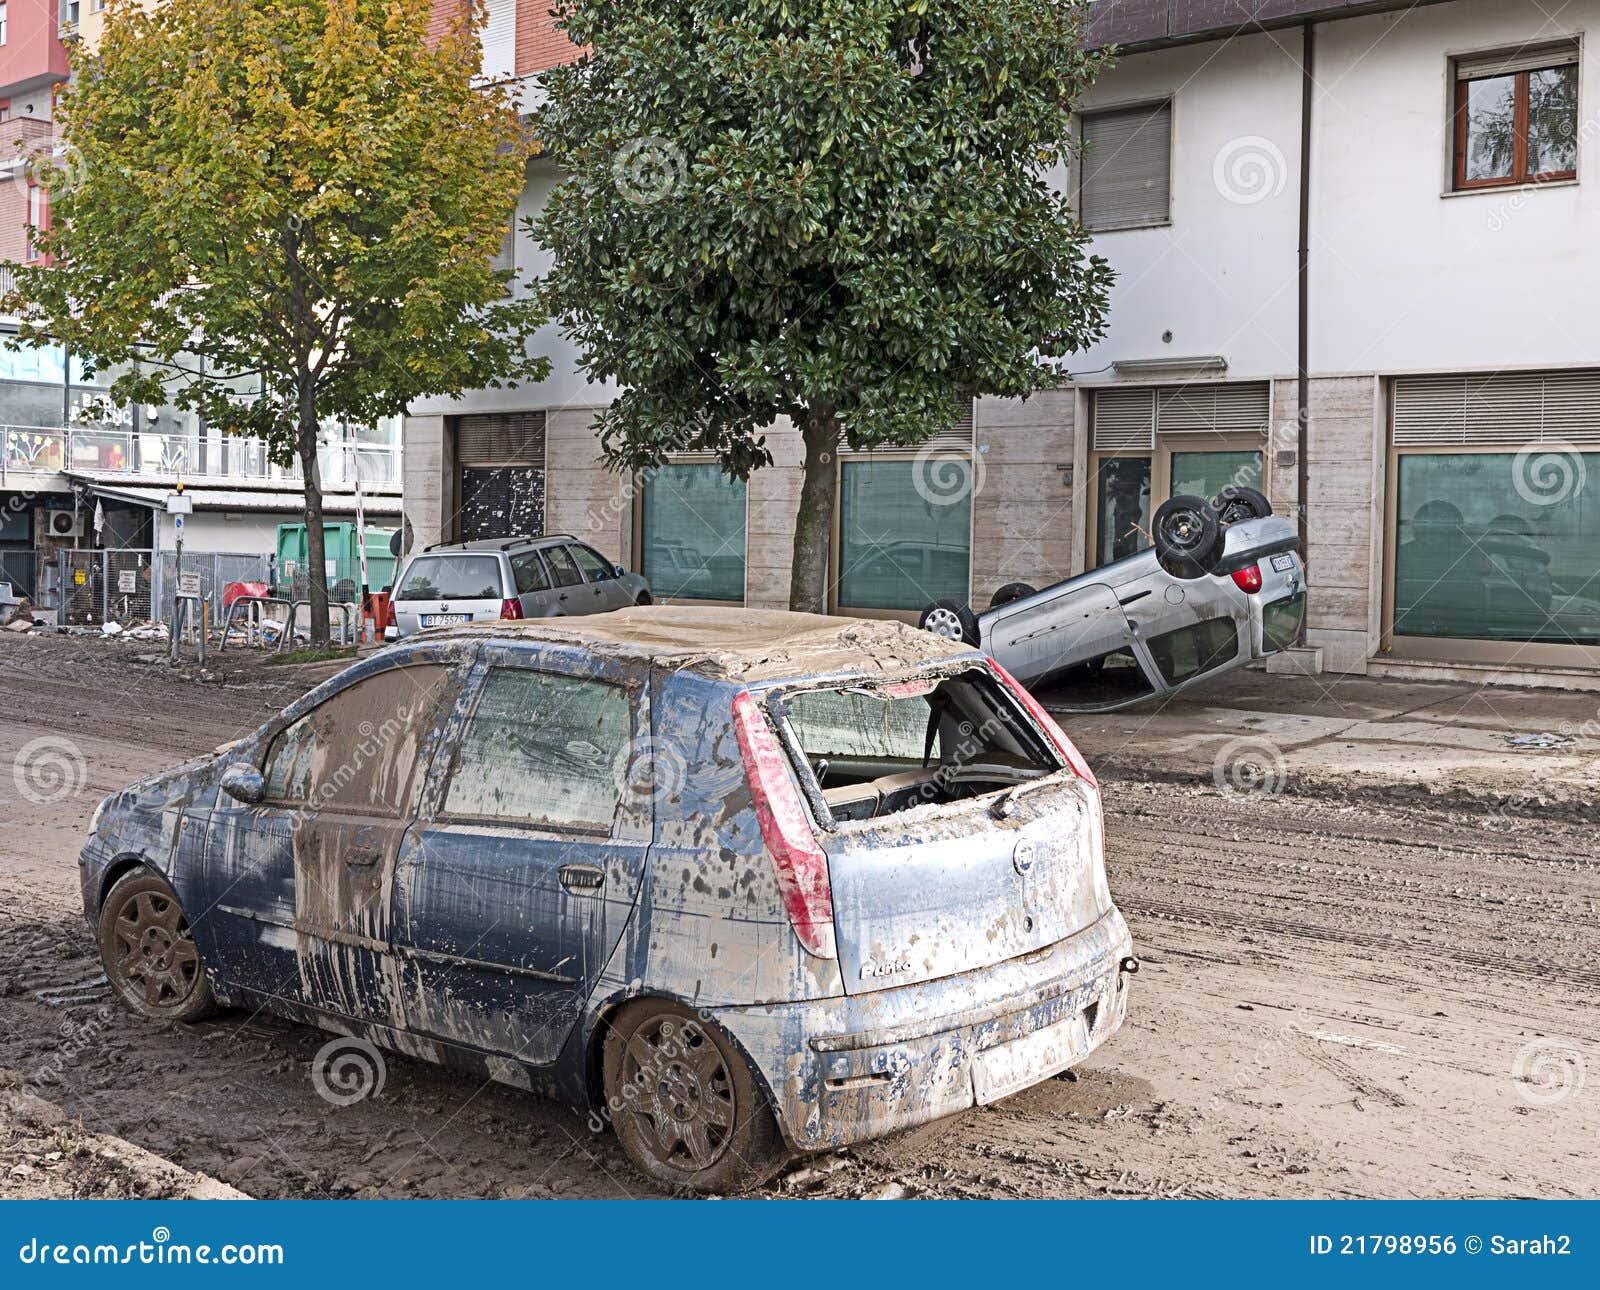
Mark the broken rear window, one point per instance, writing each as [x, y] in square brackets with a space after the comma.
[875, 749]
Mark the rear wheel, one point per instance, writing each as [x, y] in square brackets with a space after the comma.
[951, 619]
[685, 1105]
[644, 599]
[150, 958]
[1238, 502]
[1011, 591]
[1187, 534]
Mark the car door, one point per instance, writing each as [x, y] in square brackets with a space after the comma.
[572, 595]
[534, 588]
[523, 869]
[602, 576]
[298, 886]
[1043, 635]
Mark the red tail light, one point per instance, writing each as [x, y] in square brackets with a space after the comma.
[801, 866]
[1055, 733]
[1248, 580]
[510, 609]
[389, 620]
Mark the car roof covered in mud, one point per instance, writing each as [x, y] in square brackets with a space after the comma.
[741, 644]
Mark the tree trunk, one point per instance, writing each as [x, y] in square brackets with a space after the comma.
[316, 557]
[813, 524]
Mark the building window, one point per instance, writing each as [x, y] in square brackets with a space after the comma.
[902, 543]
[1516, 118]
[5, 24]
[1125, 174]
[692, 532]
[38, 215]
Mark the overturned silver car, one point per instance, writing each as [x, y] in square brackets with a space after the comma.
[1222, 586]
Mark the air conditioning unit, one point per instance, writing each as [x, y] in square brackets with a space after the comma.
[64, 524]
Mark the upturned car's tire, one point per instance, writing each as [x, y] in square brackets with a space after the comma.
[1011, 591]
[1238, 502]
[952, 619]
[1187, 535]
[150, 958]
[683, 1101]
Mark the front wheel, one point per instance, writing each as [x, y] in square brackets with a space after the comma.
[950, 618]
[685, 1105]
[150, 958]
[1012, 591]
[1187, 535]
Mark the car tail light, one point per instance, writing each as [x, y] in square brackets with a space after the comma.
[510, 609]
[801, 866]
[389, 619]
[1055, 733]
[1248, 579]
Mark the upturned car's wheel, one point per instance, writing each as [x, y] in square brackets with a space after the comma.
[1187, 534]
[951, 619]
[1011, 591]
[1238, 502]
[685, 1106]
[150, 958]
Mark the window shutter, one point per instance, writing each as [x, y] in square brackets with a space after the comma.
[957, 438]
[1530, 59]
[500, 40]
[1129, 420]
[1501, 408]
[1127, 170]
[501, 439]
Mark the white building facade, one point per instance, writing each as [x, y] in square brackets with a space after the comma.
[1356, 252]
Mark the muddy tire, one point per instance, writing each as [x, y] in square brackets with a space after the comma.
[685, 1106]
[1237, 502]
[1011, 591]
[951, 619]
[150, 958]
[1187, 534]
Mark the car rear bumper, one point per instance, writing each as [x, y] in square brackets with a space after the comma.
[847, 1069]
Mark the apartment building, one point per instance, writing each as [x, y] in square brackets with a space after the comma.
[1356, 263]
[79, 475]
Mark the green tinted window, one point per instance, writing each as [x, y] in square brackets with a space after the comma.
[1280, 621]
[1122, 508]
[1205, 474]
[693, 533]
[901, 545]
[1499, 546]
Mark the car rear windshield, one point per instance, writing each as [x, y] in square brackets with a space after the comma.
[876, 749]
[451, 577]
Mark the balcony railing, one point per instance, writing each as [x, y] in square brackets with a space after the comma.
[193, 458]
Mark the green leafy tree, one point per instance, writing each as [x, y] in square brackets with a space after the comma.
[834, 211]
[307, 194]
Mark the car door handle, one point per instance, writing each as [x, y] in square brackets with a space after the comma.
[362, 857]
[582, 877]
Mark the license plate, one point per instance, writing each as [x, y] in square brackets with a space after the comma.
[1009, 1068]
[1283, 563]
[440, 620]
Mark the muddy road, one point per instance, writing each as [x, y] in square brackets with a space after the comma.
[1354, 998]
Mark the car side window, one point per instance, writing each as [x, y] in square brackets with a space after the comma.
[543, 749]
[594, 566]
[562, 568]
[360, 749]
[529, 572]
[1199, 647]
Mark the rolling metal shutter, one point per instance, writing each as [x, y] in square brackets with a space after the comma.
[1127, 168]
[1498, 408]
[1128, 420]
[958, 438]
[500, 469]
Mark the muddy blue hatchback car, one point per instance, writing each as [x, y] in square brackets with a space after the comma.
[740, 885]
